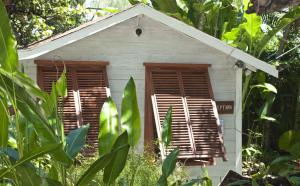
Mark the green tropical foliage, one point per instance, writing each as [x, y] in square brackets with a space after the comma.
[109, 123]
[34, 149]
[130, 114]
[270, 106]
[33, 20]
[42, 153]
[168, 167]
[167, 128]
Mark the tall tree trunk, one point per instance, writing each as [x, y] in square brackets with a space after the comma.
[265, 6]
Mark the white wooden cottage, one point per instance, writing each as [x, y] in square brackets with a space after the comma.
[172, 64]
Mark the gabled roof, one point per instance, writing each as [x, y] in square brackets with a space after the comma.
[90, 28]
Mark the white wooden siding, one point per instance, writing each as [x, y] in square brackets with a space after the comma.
[126, 54]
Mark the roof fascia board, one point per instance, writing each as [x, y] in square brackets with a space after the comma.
[210, 41]
[253, 61]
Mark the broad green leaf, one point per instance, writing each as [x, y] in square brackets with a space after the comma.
[76, 140]
[167, 128]
[169, 6]
[27, 176]
[50, 102]
[252, 26]
[27, 132]
[266, 87]
[169, 163]
[231, 36]
[162, 181]
[46, 134]
[40, 124]
[118, 161]
[22, 84]
[27, 105]
[30, 156]
[10, 176]
[35, 153]
[281, 165]
[130, 115]
[12, 142]
[294, 180]
[295, 149]
[264, 110]
[28, 84]
[206, 180]
[108, 127]
[61, 85]
[11, 153]
[98, 165]
[288, 139]
[53, 172]
[4, 122]
[281, 159]
[8, 44]
[254, 182]
[267, 118]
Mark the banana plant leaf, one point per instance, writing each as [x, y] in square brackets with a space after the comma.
[30, 156]
[118, 160]
[108, 126]
[8, 44]
[76, 140]
[130, 115]
[4, 123]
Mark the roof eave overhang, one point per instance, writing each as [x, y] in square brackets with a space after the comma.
[250, 61]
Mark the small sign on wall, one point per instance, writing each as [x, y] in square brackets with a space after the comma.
[225, 107]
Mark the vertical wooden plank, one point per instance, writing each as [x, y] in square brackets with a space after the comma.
[40, 81]
[211, 92]
[219, 128]
[238, 120]
[76, 96]
[148, 117]
[108, 93]
[105, 76]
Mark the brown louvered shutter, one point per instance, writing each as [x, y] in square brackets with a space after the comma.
[166, 92]
[195, 119]
[87, 91]
[203, 114]
[93, 90]
[47, 76]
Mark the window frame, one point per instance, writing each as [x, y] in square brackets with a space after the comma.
[73, 66]
[149, 120]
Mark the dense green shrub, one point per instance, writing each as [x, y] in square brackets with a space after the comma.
[140, 169]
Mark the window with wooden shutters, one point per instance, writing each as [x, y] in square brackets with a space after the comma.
[87, 91]
[195, 125]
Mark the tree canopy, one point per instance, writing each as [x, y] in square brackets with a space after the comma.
[33, 20]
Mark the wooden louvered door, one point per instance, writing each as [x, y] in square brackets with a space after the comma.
[92, 88]
[87, 91]
[195, 126]
[47, 76]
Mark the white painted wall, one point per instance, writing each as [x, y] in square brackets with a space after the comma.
[126, 54]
